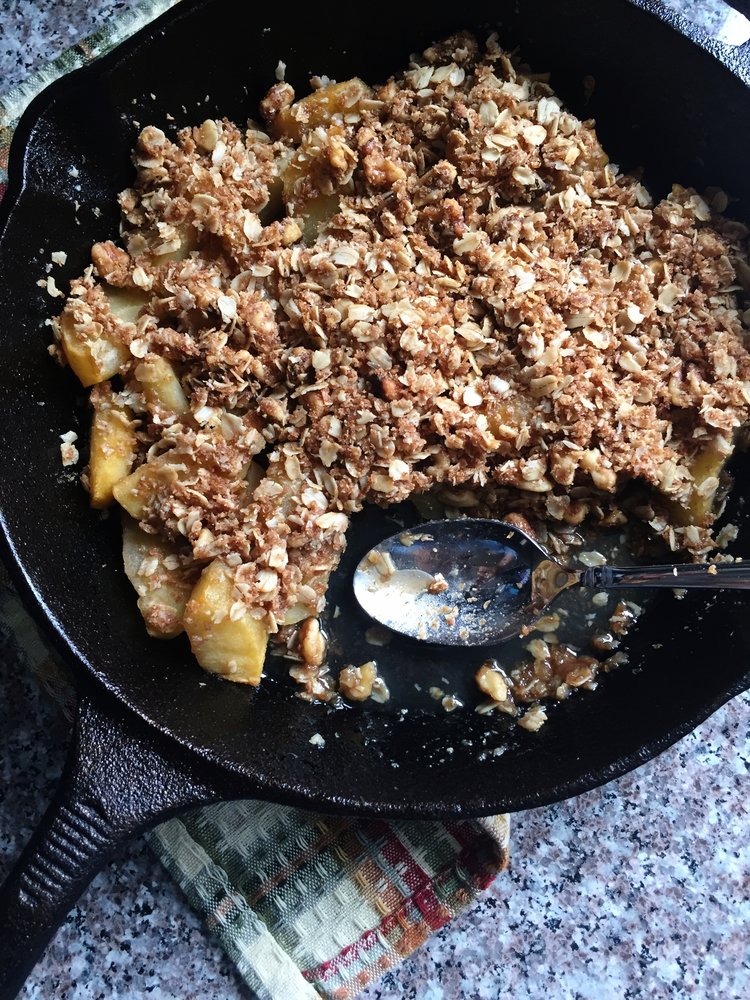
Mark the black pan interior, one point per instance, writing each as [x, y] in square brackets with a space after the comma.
[660, 101]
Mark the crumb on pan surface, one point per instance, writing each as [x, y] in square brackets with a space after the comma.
[439, 283]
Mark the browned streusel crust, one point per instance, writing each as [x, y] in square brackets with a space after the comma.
[494, 310]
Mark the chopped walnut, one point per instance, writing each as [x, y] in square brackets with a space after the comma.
[491, 681]
[312, 643]
[438, 585]
[357, 683]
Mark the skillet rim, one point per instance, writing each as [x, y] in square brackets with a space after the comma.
[738, 63]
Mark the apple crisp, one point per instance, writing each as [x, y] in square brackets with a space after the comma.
[440, 285]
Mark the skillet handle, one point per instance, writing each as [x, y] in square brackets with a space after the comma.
[119, 779]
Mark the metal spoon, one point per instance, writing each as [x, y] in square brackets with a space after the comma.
[476, 582]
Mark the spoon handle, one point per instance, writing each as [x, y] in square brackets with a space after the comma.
[724, 577]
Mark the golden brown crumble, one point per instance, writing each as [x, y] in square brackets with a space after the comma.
[482, 305]
[363, 682]
[553, 670]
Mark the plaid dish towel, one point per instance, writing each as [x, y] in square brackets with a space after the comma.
[305, 905]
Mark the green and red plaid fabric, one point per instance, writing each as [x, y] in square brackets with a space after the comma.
[305, 905]
[312, 905]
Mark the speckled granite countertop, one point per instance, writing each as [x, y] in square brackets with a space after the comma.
[637, 890]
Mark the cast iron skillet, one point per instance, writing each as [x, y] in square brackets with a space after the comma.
[155, 734]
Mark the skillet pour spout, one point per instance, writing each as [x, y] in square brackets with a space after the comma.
[153, 735]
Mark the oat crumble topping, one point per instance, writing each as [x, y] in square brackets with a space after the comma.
[68, 451]
[440, 284]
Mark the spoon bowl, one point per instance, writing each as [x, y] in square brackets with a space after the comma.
[466, 582]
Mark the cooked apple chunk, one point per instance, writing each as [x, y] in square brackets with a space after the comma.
[320, 108]
[113, 445]
[706, 468]
[161, 388]
[225, 637]
[90, 336]
[163, 585]
[135, 491]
